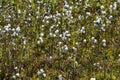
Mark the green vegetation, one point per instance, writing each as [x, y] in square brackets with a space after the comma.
[59, 39]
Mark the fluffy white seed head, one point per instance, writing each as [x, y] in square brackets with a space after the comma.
[104, 41]
[44, 75]
[60, 77]
[18, 29]
[92, 79]
[17, 74]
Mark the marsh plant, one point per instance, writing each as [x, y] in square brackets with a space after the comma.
[59, 39]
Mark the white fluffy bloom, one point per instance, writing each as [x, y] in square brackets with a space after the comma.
[7, 27]
[60, 77]
[19, 11]
[119, 55]
[95, 40]
[24, 42]
[68, 35]
[104, 44]
[60, 43]
[119, 1]
[14, 76]
[41, 39]
[114, 5]
[110, 17]
[13, 29]
[111, 6]
[50, 34]
[88, 13]
[66, 5]
[96, 64]
[17, 74]
[76, 43]
[104, 41]
[65, 47]
[83, 28]
[79, 17]
[38, 42]
[92, 79]
[82, 31]
[18, 29]
[66, 32]
[38, 73]
[54, 35]
[98, 20]
[15, 34]
[103, 12]
[44, 74]
[102, 7]
[16, 68]
[57, 13]
[56, 31]
[50, 57]
[41, 34]
[41, 70]
[68, 13]
[30, 1]
[84, 40]
[74, 48]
